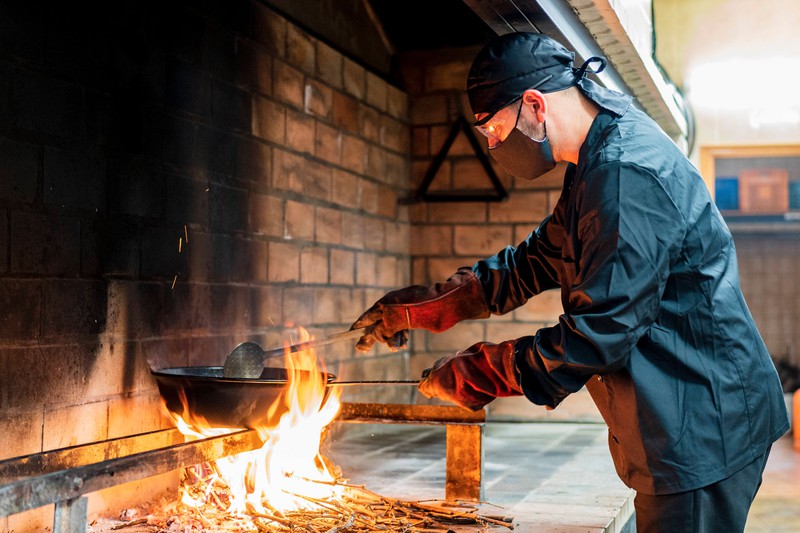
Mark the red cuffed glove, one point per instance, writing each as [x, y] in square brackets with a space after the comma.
[435, 308]
[473, 377]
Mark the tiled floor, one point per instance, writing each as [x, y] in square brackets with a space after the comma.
[777, 505]
[550, 477]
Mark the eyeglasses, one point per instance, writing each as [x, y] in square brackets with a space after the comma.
[496, 128]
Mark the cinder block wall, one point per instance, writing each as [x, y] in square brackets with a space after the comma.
[175, 179]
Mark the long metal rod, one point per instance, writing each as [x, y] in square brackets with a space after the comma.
[410, 414]
[33, 492]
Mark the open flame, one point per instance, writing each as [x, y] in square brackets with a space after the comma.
[288, 472]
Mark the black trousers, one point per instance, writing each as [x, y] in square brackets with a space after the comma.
[718, 508]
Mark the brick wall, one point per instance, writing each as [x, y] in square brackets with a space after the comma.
[448, 235]
[176, 179]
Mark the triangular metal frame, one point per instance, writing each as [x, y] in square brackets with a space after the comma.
[496, 194]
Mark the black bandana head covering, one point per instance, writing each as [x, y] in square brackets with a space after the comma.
[515, 62]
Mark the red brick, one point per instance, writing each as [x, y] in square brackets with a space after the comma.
[387, 272]
[520, 207]
[376, 162]
[294, 173]
[342, 267]
[366, 269]
[288, 84]
[459, 212]
[521, 232]
[440, 269]
[345, 112]
[369, 196]
[420, 141]
[209, 257]
[387, 202]
[299, 223]
[544, 307]
[376, 92]
[345, 189]
[369, 122]
[353, 229]
[318, 99]
[460, 146]
[253, 67]
[481, 240]
[266, 215]
[432, 240]
[403, 271]
[499, 331]
[268, 306]
[419, 271]
[397, 103]
[354, 154]
[429, 109]
[20, 309]
[374, 235]
[326, 308]
[136, 414]
[329, 65]
[354, 79]
[328, 143]
[253, 161]
[72, 425]
[269, 120]
[284, 262]
[395, 135]
[269, 29]
[314, 265]
[249, 261]
[398, 235]
[329, 226]
[300, 131]
[397, 170]
[447, 76]
[298, 306]
[459, 337]
[468, 173]
[300, 49]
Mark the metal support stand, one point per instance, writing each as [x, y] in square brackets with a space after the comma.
[70, 516]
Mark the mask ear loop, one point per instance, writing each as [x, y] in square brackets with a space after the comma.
[581, 72]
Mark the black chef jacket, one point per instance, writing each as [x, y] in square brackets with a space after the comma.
[654, 323]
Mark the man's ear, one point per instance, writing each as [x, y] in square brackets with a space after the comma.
[537, 101]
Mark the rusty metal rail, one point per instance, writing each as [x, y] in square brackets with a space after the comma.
[63, 476]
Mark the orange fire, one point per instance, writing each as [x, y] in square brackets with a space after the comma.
[288, 472]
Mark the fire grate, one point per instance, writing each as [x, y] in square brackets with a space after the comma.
[64, 476]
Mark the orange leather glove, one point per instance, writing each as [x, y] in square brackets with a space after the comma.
[435, 308]
[474, 377]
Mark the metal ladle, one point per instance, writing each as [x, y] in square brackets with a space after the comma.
[247, 359]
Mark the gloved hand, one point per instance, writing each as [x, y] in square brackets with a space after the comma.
[435, 308]
[473, 377]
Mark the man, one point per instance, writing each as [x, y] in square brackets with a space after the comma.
[654, 323]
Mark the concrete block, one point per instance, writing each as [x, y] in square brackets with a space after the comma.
[397, 238]
[42, 244]
[300, 131]
[267, 306]
[169, 139]
[345, 112]
[435, 240]
[187, 307]
[318, 99]
[366, 269]
[73, 307]
[21, 432]
[480, 240]
[214, 151]
[499, 331]
[376, 162]
[293, 173]
[376, 92]
[528, 207]
[230, 107]
[368, 198]
[136, 414]
[75, 424]
[227, 209]
[395, 134]
[187, 88]
[269, 120]
[387, 202]
[20, 309]
[328, 143]
[47, 105]
[187, 202]
[110, 247]
[459, 337]
[300, 49]
[160, 257]
[375, 235]
[354, 228]
[327, 306]
[398, 169]
[74, 178]
[4, 240]
[329, 65]
[342, 267]
[459, 212]
[387, 271]
[284, 262]
[354, 154]
[253, 67]
[355, 79]
[231, 308]
[298, 306]
[314, 265]
[33, 521]
[429, 110]
[19, 173]
[299, 223]
[135, 187]
[135, 307]
[288, 83]
[328, 226]
[397, 103]
[266, 215]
